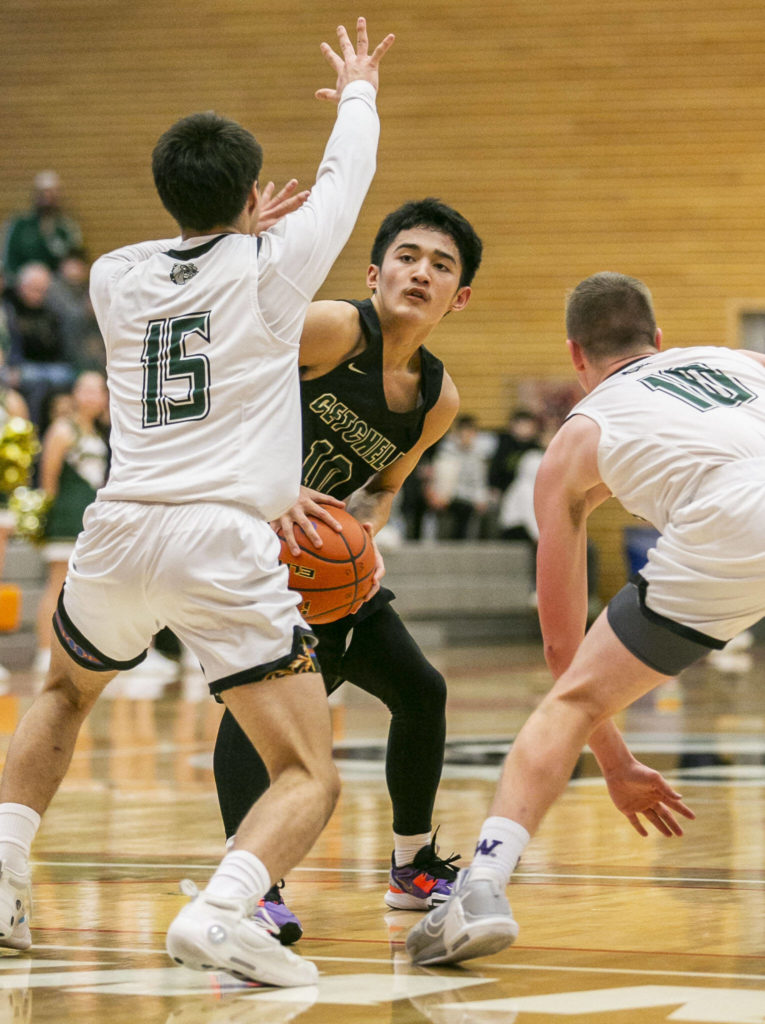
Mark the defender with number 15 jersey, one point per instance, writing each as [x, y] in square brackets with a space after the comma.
[202, 341]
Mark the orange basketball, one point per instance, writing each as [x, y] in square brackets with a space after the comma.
[335, 578]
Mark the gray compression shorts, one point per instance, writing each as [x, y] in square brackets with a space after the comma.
[659, 642]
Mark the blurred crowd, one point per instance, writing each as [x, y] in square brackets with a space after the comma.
[477, 484]
[48, 331]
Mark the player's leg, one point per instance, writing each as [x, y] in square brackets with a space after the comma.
[415, 693]
[603, 678]
[286, 717]
[287, 720]
[236, 614]
[42, 746]
[241, 778]
[38, 757]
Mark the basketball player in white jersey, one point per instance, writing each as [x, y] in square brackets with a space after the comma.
[678, 436]
[202, 336]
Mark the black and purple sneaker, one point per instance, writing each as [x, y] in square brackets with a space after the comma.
[276, 917]
[423, 884]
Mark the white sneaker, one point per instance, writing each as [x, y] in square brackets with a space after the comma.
[476, 920]
[15, 901]
[214, 934]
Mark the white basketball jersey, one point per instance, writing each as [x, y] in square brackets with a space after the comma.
[668, 421]
[202, 341]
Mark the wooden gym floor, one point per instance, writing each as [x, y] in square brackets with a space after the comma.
[614, 928]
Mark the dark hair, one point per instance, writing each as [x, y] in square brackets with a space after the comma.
[204, 167]
[610, 314]
[466, 419]
[437, 216]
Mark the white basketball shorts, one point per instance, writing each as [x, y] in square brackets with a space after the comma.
[707, 571]
[209, 572]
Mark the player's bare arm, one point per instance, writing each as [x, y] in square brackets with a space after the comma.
[371, 504]
[15, 405]
[59, 438]
[568, 487]
[354, 65]
[331, 334]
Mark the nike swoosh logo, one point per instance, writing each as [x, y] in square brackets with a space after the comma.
[355, 369]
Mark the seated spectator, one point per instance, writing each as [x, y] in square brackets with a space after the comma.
[37, 361]
[523, 433]
[69, 297]
[458, 487]
[44, 234]
[11, 404]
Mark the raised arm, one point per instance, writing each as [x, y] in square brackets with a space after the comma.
[298, 256]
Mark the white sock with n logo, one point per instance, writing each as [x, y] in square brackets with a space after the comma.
[498, 849]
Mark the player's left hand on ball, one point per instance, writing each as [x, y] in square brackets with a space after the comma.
[272, 208]
[310, 505]
[638, 790]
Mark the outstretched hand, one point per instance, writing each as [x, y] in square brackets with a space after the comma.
[354, 65]
[272, 208]
[636, 789]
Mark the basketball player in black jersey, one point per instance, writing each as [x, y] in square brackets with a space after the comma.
[374, 399]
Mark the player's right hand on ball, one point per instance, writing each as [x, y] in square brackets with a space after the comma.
[310, 504]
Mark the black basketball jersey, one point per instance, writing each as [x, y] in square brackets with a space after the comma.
[349, 432]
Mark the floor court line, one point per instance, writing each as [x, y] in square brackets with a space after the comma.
[519, 875]
[558, 968]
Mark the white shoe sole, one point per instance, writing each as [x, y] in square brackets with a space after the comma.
[188, 943]
[479, 938]
[15, 900]
[405, 901]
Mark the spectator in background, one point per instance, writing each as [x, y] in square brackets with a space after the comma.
[11, 404]
[523, 434]
[5, 323]
[69, 297]
[458, 487]
[414, 496]
[38, 361]
[45, 234]
[516, 520]
[73, 465]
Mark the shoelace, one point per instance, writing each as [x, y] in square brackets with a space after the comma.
[440, 867]
[273, 895]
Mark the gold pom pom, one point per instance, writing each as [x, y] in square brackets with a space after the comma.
[30, 508]
[18, 447]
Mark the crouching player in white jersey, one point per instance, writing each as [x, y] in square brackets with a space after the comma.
[678, 436]
[202, 336]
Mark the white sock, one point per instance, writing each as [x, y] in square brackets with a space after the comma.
[239, 875]
[18, 827]
[498, 849]
[407, 847]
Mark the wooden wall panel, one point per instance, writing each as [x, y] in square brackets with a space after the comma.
[576, 138]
